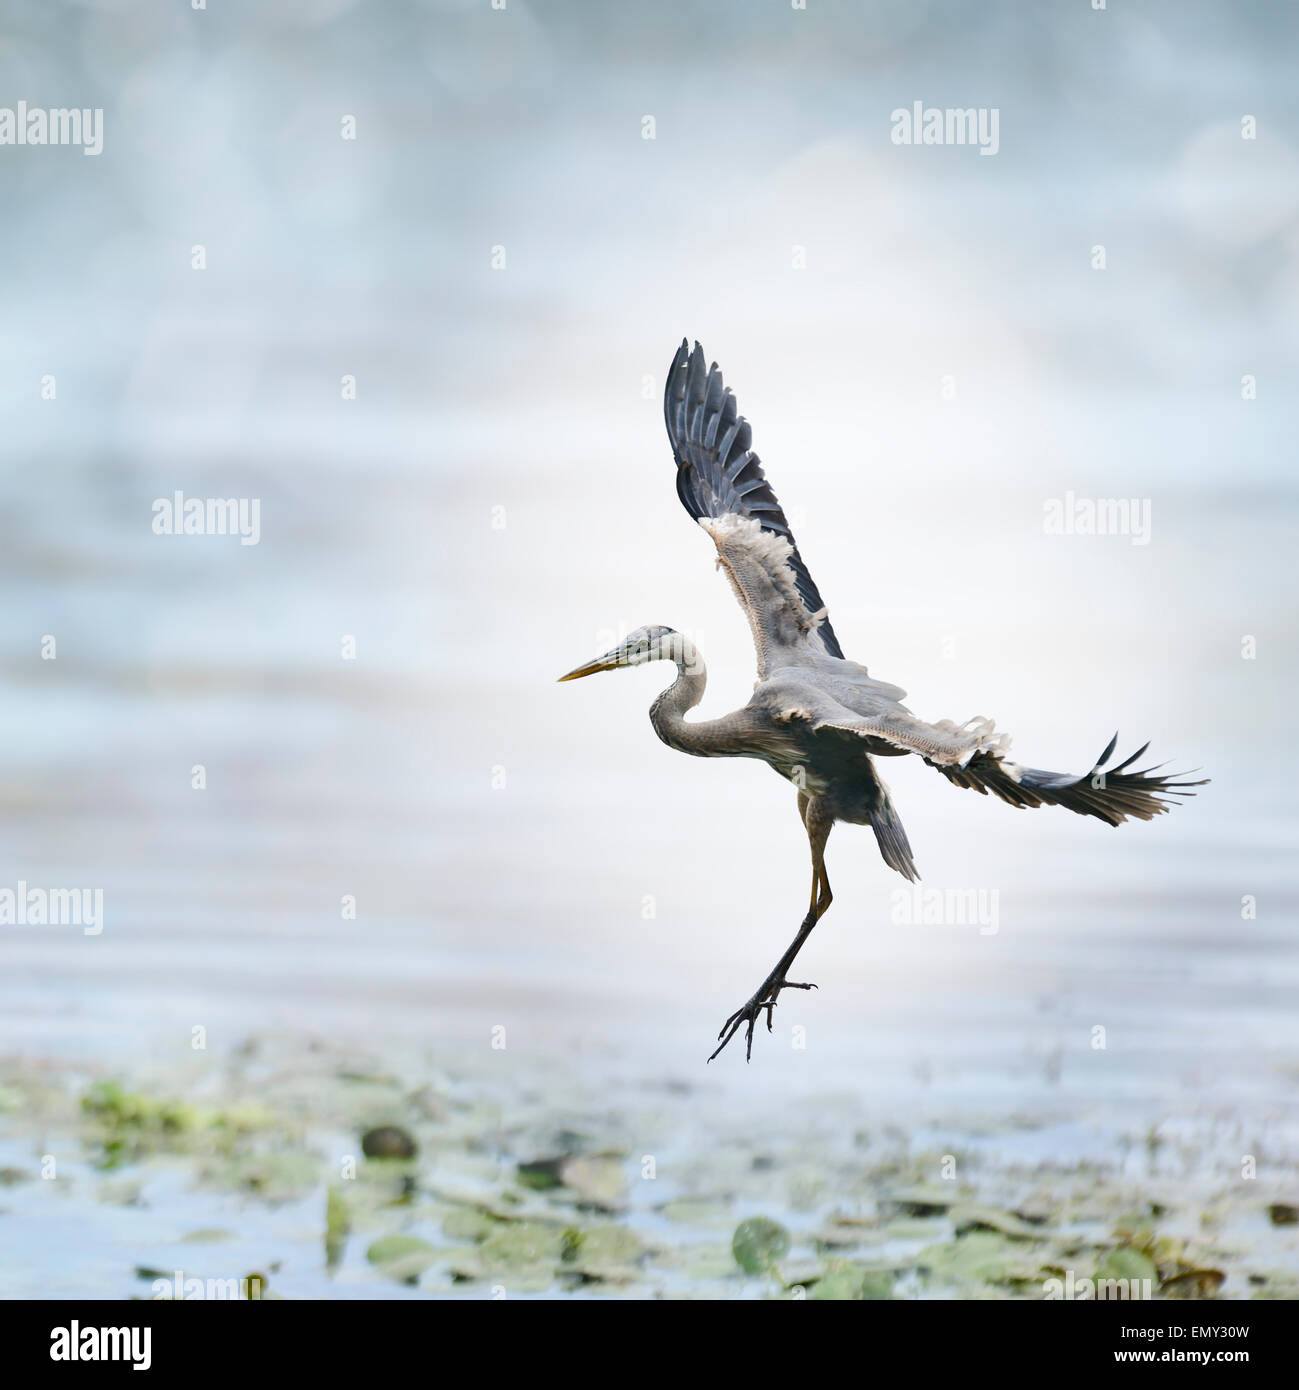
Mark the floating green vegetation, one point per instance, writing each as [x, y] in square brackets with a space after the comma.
[276, 1175]
[842, 1281]
[125, 1126]
[758, 1244]
[402, 1258]
[467, 1224]
[981, 1257]
[468, 1188]
[338, 1224]
[594, 1180]
[606, 1253]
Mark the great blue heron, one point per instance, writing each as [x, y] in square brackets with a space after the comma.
[819, 719]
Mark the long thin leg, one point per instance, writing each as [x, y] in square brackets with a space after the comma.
[818, 832]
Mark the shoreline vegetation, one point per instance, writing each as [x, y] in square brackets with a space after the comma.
[293, 1168]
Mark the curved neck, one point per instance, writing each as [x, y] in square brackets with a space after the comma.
[668, 712]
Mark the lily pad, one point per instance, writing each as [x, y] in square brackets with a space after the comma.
[607, 1252]
[975, 1218]
[921, 1201]
[521, 1243]
[980, 1257]
[401, 1257]
[597, 1180]
[521, 1258]
[851, 1282]
[608, 1245]
[467, 1223]
[758, 1243]
[1127, 1263]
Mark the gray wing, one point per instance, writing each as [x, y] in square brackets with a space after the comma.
[974, 755]
[721, 484]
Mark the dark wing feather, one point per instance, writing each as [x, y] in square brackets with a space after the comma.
[718, 474]
[974, 756]
[1110, 795]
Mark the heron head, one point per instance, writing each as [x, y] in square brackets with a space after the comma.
[645, 644]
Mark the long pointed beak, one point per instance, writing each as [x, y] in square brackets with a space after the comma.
[601, 663]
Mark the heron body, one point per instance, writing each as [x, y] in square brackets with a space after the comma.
[817, 718]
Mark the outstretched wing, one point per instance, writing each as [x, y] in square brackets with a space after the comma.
[974, 755]
[1109, 794]
[721, 484]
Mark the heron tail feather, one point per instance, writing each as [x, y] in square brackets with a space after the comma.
[895, 849]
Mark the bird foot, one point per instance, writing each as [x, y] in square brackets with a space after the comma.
[748, 1016]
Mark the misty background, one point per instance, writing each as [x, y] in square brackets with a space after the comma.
[928, 357]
